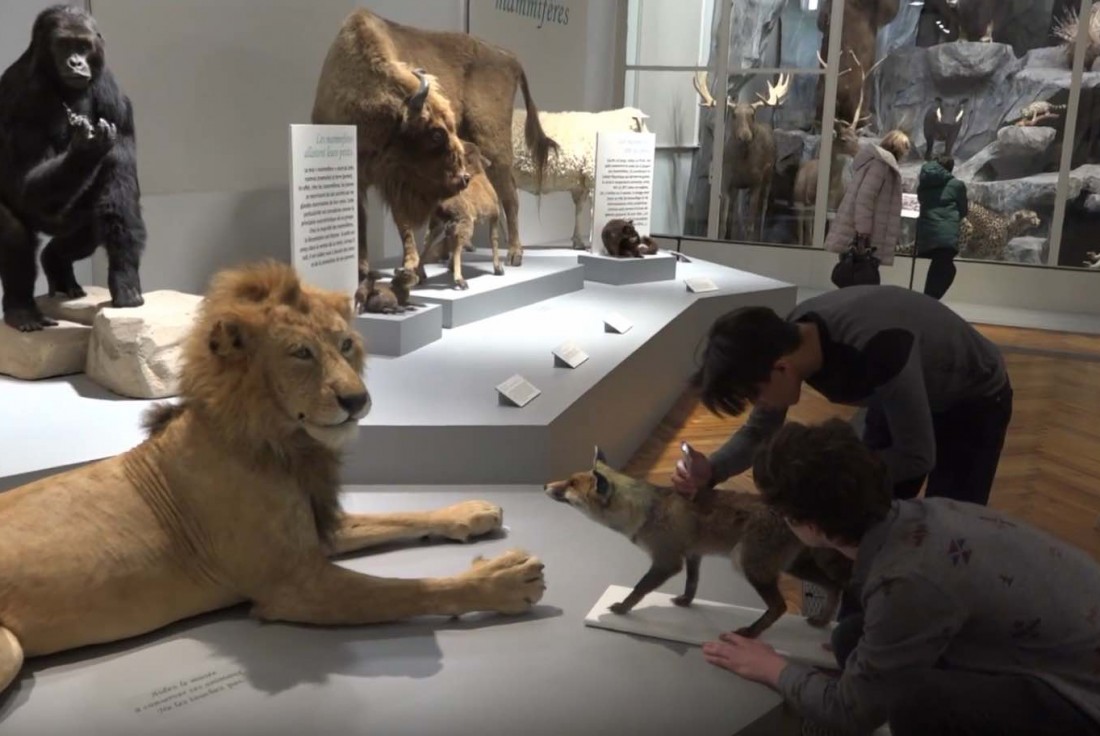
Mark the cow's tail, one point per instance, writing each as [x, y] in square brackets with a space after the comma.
[538, 143]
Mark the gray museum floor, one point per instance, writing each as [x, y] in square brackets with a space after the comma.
[541, 673]
[437, 434]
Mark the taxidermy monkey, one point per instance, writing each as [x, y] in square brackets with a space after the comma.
[943, 121]
[677, 532]
[392, 298]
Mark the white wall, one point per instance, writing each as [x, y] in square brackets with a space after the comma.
[16, 19]
[215, 85]
[1023, 296]
[568, 69]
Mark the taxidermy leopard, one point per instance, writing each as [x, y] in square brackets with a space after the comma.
[985, 233]
[1039, 112]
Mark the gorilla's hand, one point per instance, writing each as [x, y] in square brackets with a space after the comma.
[94, 141]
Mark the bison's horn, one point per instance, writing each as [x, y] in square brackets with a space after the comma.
[416, 101]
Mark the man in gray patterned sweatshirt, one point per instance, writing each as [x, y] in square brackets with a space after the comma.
[974, 623]
[937, 393]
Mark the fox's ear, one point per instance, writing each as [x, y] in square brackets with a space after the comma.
[598, 457]
[603, 488]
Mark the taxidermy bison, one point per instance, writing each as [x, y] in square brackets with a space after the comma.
[234, 497]
[411, 93]
[67, 168]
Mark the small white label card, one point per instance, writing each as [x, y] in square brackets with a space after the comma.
[569, 355]
[699, 284]
[910, 206]
[517, 390]
[615, 322]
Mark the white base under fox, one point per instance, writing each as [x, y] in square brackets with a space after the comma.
[657, 617]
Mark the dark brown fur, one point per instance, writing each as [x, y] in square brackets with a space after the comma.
[621, 239]
[862, 21]
[393, 298]
[454, 220]
[677, 533]
[365, 80]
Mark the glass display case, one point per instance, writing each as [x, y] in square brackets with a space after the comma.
[1003, 87]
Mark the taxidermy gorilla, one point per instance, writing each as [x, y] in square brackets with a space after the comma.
[67, 168]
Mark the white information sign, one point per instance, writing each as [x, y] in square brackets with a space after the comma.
[616, 322]
[517, 390]
[624, 180]
[324, 210]
[700, 284]
[910, 206]
[569, 354]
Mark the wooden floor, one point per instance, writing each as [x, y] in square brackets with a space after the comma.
[1049, 473]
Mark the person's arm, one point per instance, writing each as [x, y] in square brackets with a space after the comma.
[961, 199]
[908, 623]
[866, 197]
[735, 457]
[895, 364]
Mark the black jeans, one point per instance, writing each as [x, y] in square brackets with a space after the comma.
[941, 272]
[948, 702]
[969, 440]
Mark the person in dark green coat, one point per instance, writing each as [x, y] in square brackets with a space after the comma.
[943, 204]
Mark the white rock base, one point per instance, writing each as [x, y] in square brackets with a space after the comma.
[82, 310]
[54, 351]
[135, 352]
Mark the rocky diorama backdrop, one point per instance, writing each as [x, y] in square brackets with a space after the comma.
[1008, 167]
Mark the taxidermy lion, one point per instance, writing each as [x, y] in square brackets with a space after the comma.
[233, 496]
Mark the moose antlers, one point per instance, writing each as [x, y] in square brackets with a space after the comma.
[776, 92]
[857, 120]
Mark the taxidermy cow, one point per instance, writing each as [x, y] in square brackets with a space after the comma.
[409, 92]
[943, 121]
[862, 21]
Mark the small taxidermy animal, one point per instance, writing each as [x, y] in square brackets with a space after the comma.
[392, 298]
[621, 240]
[678, 532]
[943, 121]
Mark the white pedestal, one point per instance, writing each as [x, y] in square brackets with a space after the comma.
[400, 334]
[625, 271]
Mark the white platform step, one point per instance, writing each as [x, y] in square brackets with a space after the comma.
[436, 417]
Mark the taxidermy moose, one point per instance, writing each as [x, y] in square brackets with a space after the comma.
[943, 121]
[749, 160]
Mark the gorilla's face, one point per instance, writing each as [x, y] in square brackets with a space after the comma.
[69, 42]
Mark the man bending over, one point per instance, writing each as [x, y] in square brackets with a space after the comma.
[974, 623]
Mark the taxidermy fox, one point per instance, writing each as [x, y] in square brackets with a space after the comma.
[677, 531]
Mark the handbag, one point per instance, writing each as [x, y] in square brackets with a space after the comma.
[858, 265]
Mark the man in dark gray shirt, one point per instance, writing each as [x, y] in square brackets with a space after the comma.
[937, 393]
[974, 623]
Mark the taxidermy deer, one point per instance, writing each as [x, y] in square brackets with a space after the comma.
[863, 19]
[943, 121]
[749, 159]
[845, 144]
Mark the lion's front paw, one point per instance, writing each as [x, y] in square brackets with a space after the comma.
[619, 608]
[510, 583]
[462, 521]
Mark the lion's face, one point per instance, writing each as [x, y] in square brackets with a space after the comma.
[274, 360]
[313, 365]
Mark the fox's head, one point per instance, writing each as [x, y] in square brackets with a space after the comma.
[605, 495]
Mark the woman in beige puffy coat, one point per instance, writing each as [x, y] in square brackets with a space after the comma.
[871, 206]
